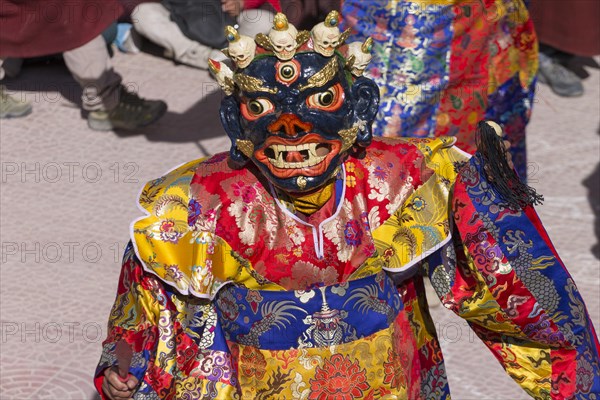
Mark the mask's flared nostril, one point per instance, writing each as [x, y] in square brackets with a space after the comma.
[290, 125]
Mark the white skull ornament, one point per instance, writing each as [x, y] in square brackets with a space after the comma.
[326, 35]
[283, 38]
[362, 56]
[241, 48]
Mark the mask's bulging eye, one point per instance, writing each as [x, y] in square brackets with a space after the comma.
[329, 100]
[256, 108]
[326, 99]
[287, 72]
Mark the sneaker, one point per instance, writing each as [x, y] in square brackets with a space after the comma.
[132, 112]
[11, 107]
[561, 80]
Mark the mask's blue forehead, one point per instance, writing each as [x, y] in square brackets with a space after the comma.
[295, 75]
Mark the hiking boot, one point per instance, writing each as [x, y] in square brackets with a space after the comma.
[11, 107]
[132, 112]
[561, 80]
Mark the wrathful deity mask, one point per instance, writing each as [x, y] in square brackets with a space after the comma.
[297, 118]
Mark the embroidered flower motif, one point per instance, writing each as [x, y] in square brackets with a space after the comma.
[209, 216]
[238, 188]
[350, 167]
[194, 210]
[380, 173]
[339, 378]
[202, 275]
[247, 193]
[297, 251]
[389, 253]
[350, 181]
[253, 362]
[305, 275]
[418, 204]
[168, 233]
[353, 233]
[173, 272]
[392, 370]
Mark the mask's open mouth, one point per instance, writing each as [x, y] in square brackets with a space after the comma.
[309, 156]
[302, 156]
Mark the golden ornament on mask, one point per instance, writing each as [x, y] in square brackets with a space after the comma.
[245, 146]
[231, 34]
[301, 182]
[350, 62]
[343, 36]
[302, 37]
[348, 137]
[280, 22]
[249, 84]
[332, 18]
[323, 76]
[263, 41]
[367, 46]
[337, 171]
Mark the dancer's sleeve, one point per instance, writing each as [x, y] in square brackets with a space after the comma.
[164, 307]
[502, 274]
[133, 318]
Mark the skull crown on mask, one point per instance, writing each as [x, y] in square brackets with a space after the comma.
[293, 110]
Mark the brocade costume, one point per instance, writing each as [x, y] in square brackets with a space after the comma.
[226, 293]
[444, 65]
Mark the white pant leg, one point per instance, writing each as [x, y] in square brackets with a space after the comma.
[91, 67]
[153, 21]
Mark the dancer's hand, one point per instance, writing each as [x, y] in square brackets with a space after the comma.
[115, 388]
[232, 7]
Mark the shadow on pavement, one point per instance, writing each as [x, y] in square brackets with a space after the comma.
[579, 64]
[50, 81]
[592, 183]
[199, 122]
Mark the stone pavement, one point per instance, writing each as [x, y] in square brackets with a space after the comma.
[68, 195]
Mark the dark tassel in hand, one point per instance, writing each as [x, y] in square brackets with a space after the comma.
[501, 176]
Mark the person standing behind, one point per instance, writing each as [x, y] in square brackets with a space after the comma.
[565, 29]
[193, 32]
[39, 28]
